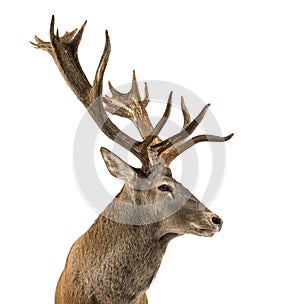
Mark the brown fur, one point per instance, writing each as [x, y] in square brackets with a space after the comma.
[116, 263]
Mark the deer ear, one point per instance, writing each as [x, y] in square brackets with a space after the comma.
[117, 167]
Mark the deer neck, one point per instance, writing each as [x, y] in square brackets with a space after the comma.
[128, 256]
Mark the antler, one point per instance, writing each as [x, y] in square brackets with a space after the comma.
[170, 148]
[64, 51]
[151, 150]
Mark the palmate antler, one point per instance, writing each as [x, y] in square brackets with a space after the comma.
[151, 150]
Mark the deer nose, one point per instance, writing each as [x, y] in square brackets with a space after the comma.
[217, 221]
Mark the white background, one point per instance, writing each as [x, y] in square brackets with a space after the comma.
[242, 56]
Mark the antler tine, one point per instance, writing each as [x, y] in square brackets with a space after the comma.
[98, 81]
[134, 87]
[161, 122]
[164, 118]
[176, 150]
[186, 114]
[146, 98]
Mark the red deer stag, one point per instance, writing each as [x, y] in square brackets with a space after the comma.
[116, 260]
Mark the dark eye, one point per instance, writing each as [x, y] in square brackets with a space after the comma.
[164, 187]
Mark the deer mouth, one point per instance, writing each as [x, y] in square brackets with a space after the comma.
[200, 231]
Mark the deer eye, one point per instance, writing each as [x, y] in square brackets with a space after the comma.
[164, 187]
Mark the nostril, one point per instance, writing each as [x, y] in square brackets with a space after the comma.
[217, 221]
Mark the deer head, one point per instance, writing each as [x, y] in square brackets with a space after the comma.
[149, 192]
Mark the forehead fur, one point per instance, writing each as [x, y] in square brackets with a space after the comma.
[147, 180]
[157, 170]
